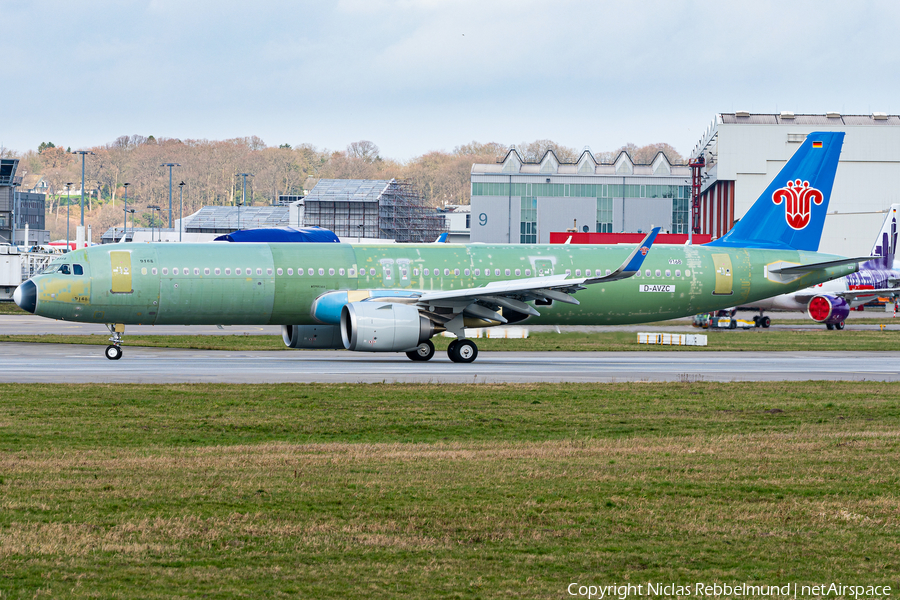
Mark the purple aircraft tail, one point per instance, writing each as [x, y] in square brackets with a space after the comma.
[885, 244]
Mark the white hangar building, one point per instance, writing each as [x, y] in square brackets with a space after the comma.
[518, 202]
[744, 151]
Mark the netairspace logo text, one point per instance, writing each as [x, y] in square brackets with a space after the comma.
[701, 590]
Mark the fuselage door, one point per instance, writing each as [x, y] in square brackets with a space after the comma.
[724, 278]
[403, 269]
[121, 272]
[387, 272]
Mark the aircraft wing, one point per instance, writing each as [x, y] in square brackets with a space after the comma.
[486, 301]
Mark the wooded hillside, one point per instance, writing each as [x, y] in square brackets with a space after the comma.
[210, 170]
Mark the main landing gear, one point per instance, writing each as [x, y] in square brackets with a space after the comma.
[462, 351]
[459, 351]
[114, 350]
[762, 321]
[838, 326]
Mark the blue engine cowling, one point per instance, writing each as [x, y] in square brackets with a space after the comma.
[830, 310]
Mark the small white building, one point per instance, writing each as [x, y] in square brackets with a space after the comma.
[459, 221]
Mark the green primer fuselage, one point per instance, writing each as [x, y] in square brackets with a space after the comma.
[208, 290]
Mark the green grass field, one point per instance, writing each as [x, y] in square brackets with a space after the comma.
[415, 491]
[754, 339]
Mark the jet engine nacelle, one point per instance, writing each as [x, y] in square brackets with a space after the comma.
[319, 337]
[830, 310]
[383, 327]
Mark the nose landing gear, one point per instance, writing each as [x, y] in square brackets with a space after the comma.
[114, 350]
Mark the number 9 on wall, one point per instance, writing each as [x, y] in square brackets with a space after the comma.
[482, 219]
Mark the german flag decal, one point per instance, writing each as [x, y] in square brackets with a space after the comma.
[817, 144]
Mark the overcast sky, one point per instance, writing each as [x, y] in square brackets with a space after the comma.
[421, 75]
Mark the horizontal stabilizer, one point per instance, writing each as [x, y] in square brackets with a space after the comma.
[851, 294]
[801, 269]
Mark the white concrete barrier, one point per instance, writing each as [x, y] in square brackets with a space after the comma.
[494, 333]
[672, 339]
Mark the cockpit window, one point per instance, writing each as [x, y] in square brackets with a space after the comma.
[64, 269]
[51, 268]
[77, 270]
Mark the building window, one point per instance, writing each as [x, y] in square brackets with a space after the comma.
[604, 215]
[528, 221]
[680, 214]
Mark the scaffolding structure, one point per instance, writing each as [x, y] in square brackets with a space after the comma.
[365, 208]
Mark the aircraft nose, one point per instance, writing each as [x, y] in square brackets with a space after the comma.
[25, 296]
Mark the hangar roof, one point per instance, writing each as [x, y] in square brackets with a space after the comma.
[789, 118]
[348, 190]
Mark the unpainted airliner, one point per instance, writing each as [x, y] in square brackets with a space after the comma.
[395, 298]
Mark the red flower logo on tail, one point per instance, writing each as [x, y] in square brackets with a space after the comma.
[798, 199]
[644, 250]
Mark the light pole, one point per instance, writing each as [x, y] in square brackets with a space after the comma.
[244, 177]
[152, 207]
[181, 218]
[68, 185]
[125, 226]
[83, 153]
[129, 210]
[170, 165]
[15, 212]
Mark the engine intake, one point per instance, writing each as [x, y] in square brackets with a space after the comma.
[383, 327]
[830, 310]
[309, 337]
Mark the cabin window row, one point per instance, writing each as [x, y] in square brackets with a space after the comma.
[366, 271]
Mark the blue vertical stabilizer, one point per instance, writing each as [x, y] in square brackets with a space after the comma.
[790, 214]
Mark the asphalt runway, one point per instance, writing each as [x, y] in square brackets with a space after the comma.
[55, 363]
